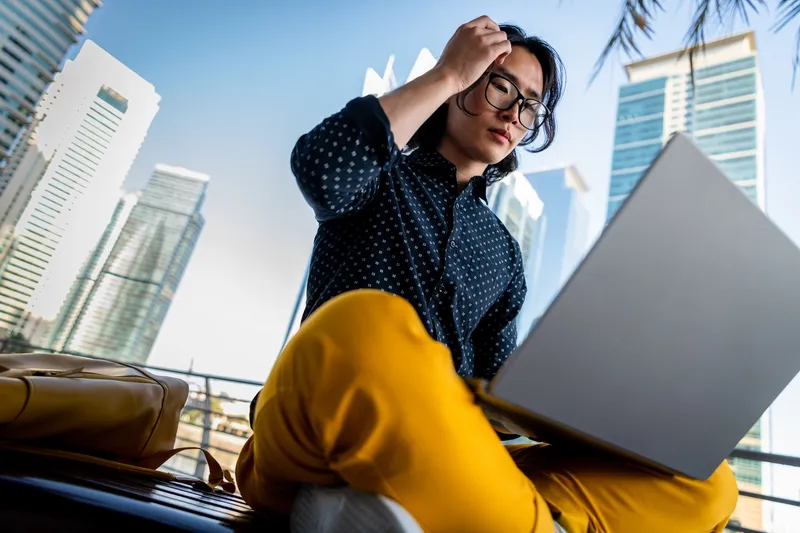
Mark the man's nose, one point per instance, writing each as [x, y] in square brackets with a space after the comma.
[510, 115]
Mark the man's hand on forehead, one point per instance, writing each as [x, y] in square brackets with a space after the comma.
[473, 49]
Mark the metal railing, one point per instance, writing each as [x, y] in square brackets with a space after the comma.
[217, 422]
[223, 430]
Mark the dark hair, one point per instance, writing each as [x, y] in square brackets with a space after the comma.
[433, 130]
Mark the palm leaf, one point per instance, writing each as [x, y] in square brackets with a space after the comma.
[726, 13]
[637, 15]
[635, 18]
[788, 10]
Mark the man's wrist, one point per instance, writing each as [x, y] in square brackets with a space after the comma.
[444, 77]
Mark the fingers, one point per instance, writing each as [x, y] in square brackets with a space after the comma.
[494, 37]
[483, 22]
[501, 50]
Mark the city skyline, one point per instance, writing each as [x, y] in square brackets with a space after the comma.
[262, 196]
[91, 123]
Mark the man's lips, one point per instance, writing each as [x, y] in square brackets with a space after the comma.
[502, 134]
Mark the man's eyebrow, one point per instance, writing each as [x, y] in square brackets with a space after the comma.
[508, 74]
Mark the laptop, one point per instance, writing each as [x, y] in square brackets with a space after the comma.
[674, 335]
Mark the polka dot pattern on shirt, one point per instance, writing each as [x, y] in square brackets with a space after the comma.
[397, 223]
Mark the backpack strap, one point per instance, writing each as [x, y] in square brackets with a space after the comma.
[218, 477]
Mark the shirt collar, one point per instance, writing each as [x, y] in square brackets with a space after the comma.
[434, 160]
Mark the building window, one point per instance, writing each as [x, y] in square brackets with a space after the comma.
[638, 131]
[739, 168]
[514, 216]
[729, 141]
[726, 115]
[751, 192]
[624, 183]
[725, 68]
[643, 87]
[113, 98]
[641, 156]
[724, 89]
[652, 105]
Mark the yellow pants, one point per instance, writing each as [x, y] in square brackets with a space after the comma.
[363, 396]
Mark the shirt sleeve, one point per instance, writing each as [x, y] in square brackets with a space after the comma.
[338, 164]
[496, 335]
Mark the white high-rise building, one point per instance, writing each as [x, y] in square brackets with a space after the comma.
[34, 38]
[93, 120]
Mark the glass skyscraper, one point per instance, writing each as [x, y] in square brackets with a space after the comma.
[117, 305]
[724, 112]
[34, 38]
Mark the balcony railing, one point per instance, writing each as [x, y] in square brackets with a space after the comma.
[218, 422]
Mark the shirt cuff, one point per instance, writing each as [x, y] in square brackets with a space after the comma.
[367, 114]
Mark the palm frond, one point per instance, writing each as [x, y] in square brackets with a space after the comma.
[796, 60]
[635, 18]
[788, 10]
[726, 13]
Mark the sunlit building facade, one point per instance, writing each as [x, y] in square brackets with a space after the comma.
[92, 122]
[723, 110]
[118, 303]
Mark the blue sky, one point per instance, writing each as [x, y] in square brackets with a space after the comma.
[241, 81]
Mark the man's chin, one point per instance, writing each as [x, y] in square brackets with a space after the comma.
[494, 157]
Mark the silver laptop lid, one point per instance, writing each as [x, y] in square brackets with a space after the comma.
[677, 331]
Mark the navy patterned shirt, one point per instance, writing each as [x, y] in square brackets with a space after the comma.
[397, 223]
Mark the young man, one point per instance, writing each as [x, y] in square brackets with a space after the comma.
[414, 283]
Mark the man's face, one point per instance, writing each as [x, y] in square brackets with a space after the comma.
[492, 134]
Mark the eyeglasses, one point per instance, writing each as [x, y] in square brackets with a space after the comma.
[502, 94]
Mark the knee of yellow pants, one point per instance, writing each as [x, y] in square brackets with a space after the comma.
[362, 391]
[359, 336]
[377, 331]
[364, 361]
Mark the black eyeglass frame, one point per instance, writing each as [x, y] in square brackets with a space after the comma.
[520, 98]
